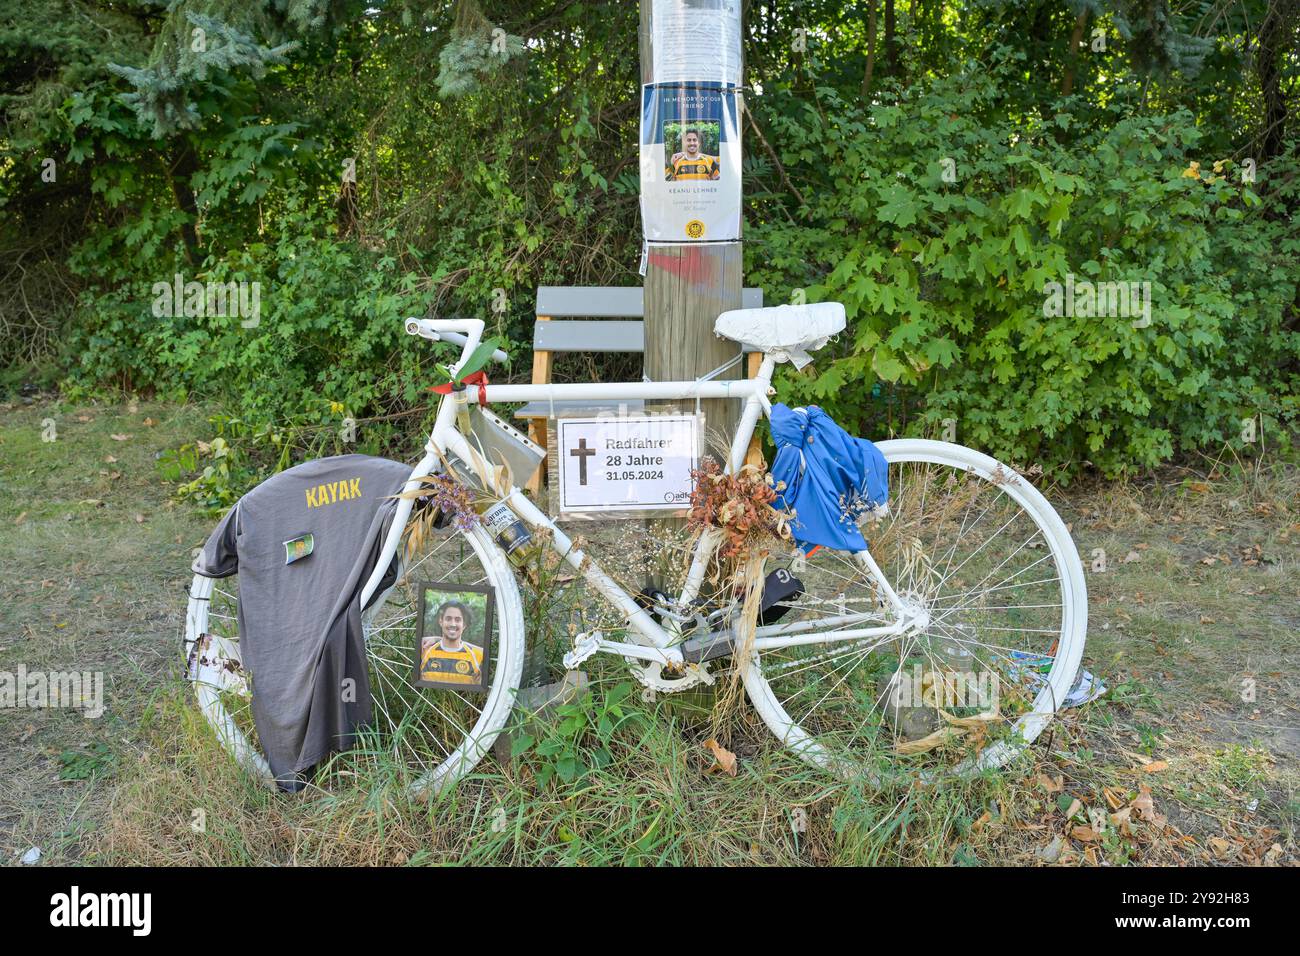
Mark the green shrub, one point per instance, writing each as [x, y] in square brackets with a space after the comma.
[944, 281]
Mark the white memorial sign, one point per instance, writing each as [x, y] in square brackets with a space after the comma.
[632, 464]
[696, 40]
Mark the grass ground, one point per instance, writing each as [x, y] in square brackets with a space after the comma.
[1191, 757]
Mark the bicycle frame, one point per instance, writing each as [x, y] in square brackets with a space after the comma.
[656, 640]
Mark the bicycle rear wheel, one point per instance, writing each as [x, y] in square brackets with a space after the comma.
[980, 552]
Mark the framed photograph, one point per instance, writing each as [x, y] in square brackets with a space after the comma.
[454, 650]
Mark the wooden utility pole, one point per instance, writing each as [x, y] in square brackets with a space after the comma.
[686, 287]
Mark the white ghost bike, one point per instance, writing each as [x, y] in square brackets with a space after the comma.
[970, 583]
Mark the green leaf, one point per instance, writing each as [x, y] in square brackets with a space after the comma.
[618, 692]
[478, 358]
[549, 748]
[898, 207]
[887, 367]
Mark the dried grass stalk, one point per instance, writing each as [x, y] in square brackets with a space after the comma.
[958, 728]
[748, 581]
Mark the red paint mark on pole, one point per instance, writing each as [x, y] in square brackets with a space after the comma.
[692, 265]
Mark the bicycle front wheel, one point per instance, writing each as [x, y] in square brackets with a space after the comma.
[976, 553]
[423, 738]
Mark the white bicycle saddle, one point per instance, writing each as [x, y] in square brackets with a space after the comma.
[795, 330]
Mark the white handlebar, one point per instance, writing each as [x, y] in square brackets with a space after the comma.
[497, 354]
[457, 331]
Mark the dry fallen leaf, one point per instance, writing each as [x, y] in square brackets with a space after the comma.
[1114, 797]
[119, 437]
[1051, 785]
[724, 759]
[1145, 809]
[1143, 804]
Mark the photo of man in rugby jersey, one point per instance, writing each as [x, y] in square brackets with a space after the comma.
[446, 658]
[689, 163]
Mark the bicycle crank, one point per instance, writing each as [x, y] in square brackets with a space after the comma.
[663, 679]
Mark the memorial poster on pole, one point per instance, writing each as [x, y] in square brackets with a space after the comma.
[690, 163]
[696, 40]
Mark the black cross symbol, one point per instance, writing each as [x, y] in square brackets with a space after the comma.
[583, 453]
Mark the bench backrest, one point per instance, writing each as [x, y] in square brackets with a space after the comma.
[609, 302]
[617, 309]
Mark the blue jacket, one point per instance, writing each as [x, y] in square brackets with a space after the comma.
[830, 477]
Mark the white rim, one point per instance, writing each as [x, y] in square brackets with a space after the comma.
[1074, 600]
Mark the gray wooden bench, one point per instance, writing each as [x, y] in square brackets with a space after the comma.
[604, 319]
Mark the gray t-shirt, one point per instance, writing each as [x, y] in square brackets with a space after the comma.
[299, 599]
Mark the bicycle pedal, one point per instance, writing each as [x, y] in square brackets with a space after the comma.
[584, 647]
